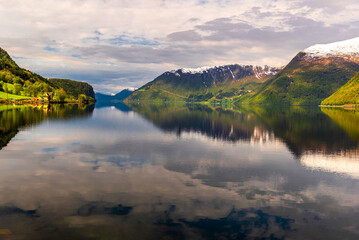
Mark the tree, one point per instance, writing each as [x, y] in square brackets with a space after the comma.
[5, 88]
[82, 98]
[17, 88]
[60, 95]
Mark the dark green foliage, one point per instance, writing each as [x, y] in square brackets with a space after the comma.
[200, 98]
[74, 88]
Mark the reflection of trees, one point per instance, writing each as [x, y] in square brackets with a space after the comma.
[12, 118]
[304, 129]
[346, 119]
[301, 128]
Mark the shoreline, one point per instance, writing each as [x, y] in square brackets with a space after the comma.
[348, 106]
[31, 102]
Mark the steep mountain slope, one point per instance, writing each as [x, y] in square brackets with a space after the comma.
[314, 74]
[347, 94]
[204, 83]
[20, 83]
[74, 88]
[14, 79]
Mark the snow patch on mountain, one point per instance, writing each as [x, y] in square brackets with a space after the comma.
[196, 70]
[258, 71]
[344, 48]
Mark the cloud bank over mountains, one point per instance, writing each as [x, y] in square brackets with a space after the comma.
[118, 44]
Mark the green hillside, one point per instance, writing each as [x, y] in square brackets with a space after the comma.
[347, 94]
[304, 82]
[19, 84]
[74, 88]
[164, 90]
[217, 83]
[19, 81]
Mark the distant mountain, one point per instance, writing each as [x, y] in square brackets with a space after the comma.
[119, 97]
[347, 94]
[313, 75]
[201, 84]
[74, 88]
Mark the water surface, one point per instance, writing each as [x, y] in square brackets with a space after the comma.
[178, 172]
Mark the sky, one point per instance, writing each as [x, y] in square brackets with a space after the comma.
[118, 44]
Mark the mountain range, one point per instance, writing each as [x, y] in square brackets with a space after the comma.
[311, 76]
[202, 84]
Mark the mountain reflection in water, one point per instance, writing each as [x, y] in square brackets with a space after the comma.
[302, 129]
[14, 117]
[179, 172]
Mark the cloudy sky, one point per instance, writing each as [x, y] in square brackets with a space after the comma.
[115, 44]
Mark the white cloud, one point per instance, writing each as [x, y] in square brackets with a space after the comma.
[151, 36]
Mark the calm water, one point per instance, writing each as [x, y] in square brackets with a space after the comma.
[178, 172]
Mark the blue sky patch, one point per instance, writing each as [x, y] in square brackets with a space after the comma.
[127, 40]
[51, 49]
[123, 39]
[98, 32]
[77, 56]
[75, 144]
[47, 150]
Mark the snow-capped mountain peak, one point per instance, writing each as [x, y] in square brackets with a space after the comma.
[234, 71]
[196, 70]
[344, 48]
[213, 75]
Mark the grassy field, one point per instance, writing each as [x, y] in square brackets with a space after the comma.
[9, 96]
